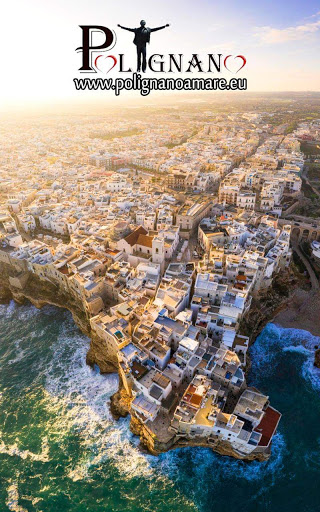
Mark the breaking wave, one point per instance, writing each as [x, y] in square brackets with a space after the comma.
[13, 498]
[275, 340]
[78, 424]
[14, 451]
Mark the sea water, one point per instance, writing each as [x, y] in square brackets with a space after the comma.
[61, 450]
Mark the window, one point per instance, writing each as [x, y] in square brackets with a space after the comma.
[157, 250]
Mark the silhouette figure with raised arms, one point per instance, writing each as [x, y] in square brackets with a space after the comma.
[141, 38]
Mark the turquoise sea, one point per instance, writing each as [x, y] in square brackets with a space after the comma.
[60, 449]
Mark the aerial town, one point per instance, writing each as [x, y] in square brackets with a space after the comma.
[158, 232]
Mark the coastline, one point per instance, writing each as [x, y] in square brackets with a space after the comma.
[301, 312]
[158, 440]
[152, 444]
[274, 302]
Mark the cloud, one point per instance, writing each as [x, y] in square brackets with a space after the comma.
[272, 35]
[315, 15]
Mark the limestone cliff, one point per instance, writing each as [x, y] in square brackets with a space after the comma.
[120, 403]
[268, 304]
[154, 444]
[148, 439]
[41, 293]
[99, 355]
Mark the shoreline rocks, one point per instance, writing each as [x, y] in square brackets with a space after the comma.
[317, 358]
[40, 293]
[120, 407]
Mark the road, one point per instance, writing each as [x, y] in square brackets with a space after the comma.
[313, 278]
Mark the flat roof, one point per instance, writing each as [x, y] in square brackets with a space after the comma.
[268, 425]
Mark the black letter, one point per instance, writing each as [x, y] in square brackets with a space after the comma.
[195, 63]
[86, 43]
[173, 60]
[123, 70]
[211, 59]
[151, 62]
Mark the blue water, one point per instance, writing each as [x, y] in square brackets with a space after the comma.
[60, 449]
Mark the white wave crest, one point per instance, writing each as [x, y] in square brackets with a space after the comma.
[300, 349]
[14, 451]
[13, 498]
[273, 339]
[80, 397]
[19, 353]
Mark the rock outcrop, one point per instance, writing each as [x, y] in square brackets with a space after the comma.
[317, 358]
[98, 354]
[120, 403]
[264, 308]
[5, 294]
[154, 444]
[40, 293]
[150, 442]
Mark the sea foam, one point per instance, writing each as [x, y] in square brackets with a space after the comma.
[274, 339]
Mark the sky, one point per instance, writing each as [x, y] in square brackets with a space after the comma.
[280, 40]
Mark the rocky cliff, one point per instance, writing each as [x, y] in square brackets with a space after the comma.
[269, 303]
[120, 403]
[40, 293]
[156, 443]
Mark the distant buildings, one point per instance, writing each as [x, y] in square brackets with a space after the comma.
[162, 237]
